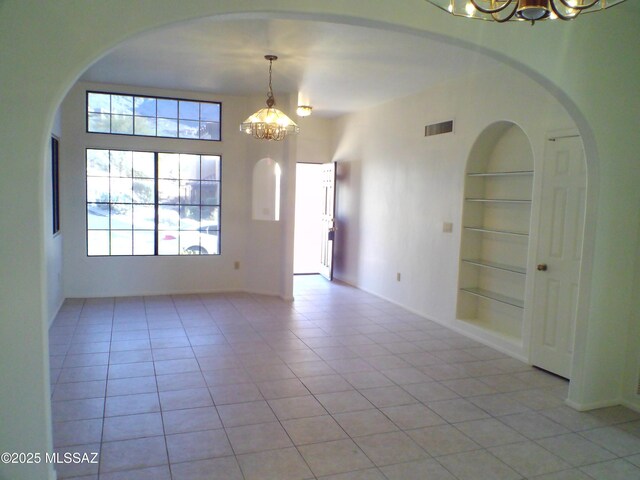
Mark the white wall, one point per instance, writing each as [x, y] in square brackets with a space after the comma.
[396, 189]
[52, 243]
[241, 239]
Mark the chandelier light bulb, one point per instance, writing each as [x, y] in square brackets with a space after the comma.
[522, 10]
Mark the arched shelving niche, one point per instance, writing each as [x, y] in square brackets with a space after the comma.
[495, 236]
[266, 190]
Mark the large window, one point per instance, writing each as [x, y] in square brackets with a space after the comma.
[146, 203]
[152, 116]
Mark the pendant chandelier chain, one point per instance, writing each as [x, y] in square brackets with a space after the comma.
[271, 101]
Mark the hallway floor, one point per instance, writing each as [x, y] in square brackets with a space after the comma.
[338, 384]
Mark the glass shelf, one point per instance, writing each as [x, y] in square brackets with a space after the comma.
[500, 174]
[497, 297]
[498, 232]
[495, 265]
[499, 200]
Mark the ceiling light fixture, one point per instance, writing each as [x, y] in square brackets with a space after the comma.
[522, 10]
[304, 110]
[269, 123]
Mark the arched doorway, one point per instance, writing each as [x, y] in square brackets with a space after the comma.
[26, 86]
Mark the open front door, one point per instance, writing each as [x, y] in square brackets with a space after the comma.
[327, 229]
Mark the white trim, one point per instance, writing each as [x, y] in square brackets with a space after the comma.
[584, 407]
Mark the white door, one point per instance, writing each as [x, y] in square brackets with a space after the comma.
[559, 251]
[327, 230]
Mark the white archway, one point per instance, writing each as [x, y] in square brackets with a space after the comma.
[45, 48]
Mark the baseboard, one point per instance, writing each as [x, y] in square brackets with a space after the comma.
[635, 406]
[585, 407]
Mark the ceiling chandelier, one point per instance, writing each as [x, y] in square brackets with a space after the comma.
[269, 123]
[522, 10]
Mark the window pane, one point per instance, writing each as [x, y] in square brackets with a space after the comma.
[99, 123]
[189, 217]
[210, 167]
[168, 165]
[168, 217]
[97, 189]
[145, 126]
[121, 217]
[98, 162]
[143, 191]
[168, 243]
[167, 108]
[144, 217]
[145, 106]
[121, 190]
[190, 244]
[121, 163]
[167, 127]
[169, 191]
[189, 192]
[143, 243]
[121, 242]
[122, 104]
[189, 110]
[143, 164]
[210, 216]
[210, 112]
[97, 242]
[190, 167]
[210, 130]
[99, 102]
[122, 124]
[98, 216]
[210, 193]
[189, 129]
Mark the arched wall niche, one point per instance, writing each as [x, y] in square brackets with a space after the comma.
[495, 241]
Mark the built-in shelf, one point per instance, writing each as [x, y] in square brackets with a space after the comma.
[496, 297]
[495, 265]
[500, 174]
[498, 232]
[499, 200]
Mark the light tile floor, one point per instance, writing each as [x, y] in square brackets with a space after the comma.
[338, 384]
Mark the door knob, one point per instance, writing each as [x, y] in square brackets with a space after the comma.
[542, 267]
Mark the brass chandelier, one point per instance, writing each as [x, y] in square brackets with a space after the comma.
[522, 10]
[269, 123]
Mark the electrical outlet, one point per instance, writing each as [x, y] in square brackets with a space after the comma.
[447, 227]
[398, 276]
[236, 265]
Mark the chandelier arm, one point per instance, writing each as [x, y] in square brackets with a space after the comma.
[489, 11]
[508, 17]
[576, 7]
[560, 15]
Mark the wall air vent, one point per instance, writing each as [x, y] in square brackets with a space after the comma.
[438, 128]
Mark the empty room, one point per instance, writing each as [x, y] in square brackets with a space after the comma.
[468, 306]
